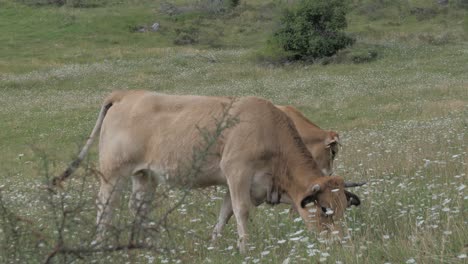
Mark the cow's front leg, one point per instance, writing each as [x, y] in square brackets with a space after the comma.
[224, 216]
[241, 211]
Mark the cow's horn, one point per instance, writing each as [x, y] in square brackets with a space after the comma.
[353, 184]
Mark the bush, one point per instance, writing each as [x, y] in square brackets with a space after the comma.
[422, 13]
[233, 3]
[186, 36]
[313, 29]
[70, 3]
[462, 4]
[216, 7]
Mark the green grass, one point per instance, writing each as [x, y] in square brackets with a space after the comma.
[402, 118]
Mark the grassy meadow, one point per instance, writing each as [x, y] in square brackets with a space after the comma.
[402, 117]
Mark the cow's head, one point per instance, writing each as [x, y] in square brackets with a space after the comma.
[325, 151]
[324, 203]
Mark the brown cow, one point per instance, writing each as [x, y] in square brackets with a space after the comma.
[322, 144]
[260, 157]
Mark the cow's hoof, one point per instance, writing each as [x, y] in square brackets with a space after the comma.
[215, 236]
[242, 244]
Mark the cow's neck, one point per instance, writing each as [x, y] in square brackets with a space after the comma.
[301, 173]
[297, 163]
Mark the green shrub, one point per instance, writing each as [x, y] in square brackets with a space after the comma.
[216, 7]
[313, 29]
[234, 3]
[423, 13]
[70, 3]
[186, 36]
[462, 4]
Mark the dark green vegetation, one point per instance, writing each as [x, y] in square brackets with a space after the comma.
[314, 29]
[398, 97]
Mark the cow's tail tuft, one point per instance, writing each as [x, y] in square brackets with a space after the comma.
[57, 181]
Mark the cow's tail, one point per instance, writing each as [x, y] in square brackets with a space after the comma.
[56, 181]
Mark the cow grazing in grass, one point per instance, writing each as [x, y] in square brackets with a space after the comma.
[323, 146]
[151, 137]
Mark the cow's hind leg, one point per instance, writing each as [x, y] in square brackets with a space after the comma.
[143, 187]
[106, 201]
[224, 216]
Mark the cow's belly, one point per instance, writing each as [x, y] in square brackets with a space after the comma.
[184, 176]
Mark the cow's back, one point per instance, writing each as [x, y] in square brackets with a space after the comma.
[149, 130]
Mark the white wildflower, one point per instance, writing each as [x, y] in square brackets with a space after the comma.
[426, 163]
[446, 201]
[297, 233]
[295, 238]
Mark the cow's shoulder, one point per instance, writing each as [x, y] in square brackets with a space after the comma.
[255, 106]
[298, 117]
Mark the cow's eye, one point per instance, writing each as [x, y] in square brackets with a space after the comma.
[324, 209]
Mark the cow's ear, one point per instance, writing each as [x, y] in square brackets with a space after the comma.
[332, 139]
[311, 195]
[352, 199]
